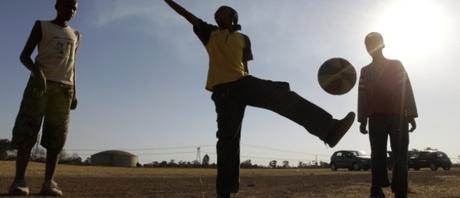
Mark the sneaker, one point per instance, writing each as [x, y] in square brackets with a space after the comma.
[50, 188]
[339, 130]
[19, 188]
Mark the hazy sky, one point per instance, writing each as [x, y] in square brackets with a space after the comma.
[141, 72]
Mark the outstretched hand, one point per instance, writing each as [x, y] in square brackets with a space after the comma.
[362, 128]
[413, 125]
[182, 11]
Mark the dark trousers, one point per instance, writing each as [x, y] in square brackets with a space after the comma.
[231, 100]
[396, 127]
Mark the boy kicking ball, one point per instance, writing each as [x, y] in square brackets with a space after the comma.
[233, 89]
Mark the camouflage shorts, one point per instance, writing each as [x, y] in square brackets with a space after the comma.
[51, 108]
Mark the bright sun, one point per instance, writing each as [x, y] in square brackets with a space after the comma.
[413, 28]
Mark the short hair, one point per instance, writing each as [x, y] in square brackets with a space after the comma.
[234, 13]
[60, 1]
[374, 40]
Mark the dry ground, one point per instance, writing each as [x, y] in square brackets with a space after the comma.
[88, 181]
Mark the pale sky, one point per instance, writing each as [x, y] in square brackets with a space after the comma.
[141, 72]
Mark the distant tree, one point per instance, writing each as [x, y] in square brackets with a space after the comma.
[285, 164]
[205, 160]
[3, 155]
[246, 164]
[213, 165]
[172, 163]
[147, 165]
[75, 156]
[272, 164]
[301, 165]
[70, 159]
[182, 163]
[87, 161]
[196, 163]
[5, 145]
[63, 155]
[314, 163]
[163, 164]
[430, 149]
[12, 154]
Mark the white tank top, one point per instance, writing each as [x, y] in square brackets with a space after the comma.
[56, 52]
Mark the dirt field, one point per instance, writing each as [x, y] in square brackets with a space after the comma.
[87, 181]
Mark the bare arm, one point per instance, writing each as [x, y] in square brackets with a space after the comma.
[183, 12]
[25, 57]
[32, 42]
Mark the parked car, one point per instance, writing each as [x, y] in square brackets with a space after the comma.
[353, 160]
[425, 159]
[431, 159]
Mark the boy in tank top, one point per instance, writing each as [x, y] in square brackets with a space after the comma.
[48, 97]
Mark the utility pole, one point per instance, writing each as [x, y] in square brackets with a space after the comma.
[316, 160]
[198, 154]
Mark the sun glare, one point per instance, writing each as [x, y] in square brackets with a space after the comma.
[413, 28]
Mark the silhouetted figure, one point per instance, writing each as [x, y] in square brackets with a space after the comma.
[233, 89]
[49, 95]
[386, 101]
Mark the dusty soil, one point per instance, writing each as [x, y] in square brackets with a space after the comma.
[88, 181]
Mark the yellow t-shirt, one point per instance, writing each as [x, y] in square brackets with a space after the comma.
[227, 51]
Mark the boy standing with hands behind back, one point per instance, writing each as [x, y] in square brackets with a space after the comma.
[49, 95]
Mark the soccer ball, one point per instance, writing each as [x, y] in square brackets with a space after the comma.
[337, 76]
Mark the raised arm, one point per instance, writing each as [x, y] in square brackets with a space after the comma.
[183, 12]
